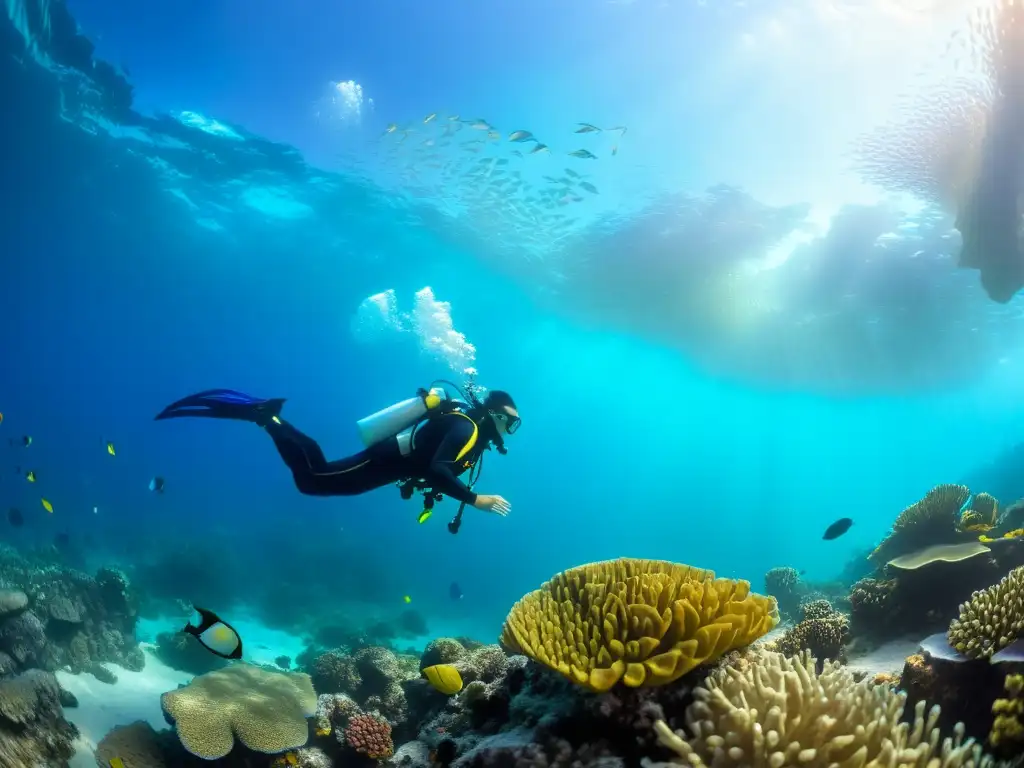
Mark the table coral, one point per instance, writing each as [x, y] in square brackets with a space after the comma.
[932, 520]
[642, 622]
[266, 710]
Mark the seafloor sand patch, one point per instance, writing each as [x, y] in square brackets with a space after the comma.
[888, 658]
[135, 696]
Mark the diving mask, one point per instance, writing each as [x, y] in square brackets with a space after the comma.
[507, 422]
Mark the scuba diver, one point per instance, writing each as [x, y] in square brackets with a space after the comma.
[422, 444]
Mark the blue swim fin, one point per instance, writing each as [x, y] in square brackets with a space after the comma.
[224, 404]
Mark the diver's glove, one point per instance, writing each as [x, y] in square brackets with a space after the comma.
[496, 504]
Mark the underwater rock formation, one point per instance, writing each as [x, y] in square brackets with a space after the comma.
[265, 710]
[641, 622]
[55, 617]
[33, 731]
[373, 677]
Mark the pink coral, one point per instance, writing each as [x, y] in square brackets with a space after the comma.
[371, 736]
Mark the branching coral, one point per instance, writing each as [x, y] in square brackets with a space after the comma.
[370, 736]
[780, 712]
[992, 619]
[932, 520]
[1008, 727]
[266, 710]
[644, 622]
[816, 609]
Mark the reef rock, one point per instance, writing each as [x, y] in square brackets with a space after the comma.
[33, 731]
[62, 617]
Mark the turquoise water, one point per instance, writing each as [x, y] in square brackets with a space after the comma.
[722, 350]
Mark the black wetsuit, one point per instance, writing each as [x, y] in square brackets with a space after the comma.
[444, 448]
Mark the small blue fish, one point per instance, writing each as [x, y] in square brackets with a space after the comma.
[156, 485]
[455, 591]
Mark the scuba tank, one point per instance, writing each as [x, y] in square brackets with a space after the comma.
[399, 417]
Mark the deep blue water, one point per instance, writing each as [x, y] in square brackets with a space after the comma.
[651, 426]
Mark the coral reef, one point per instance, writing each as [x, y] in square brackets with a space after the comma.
[783, 584]
[137, 745]
[982, 516]
[992, 619]
[823, 632]
[33, 731]
[644, 622]
[180, 650]
[782, 712]
[1008, 726]
[264, 709]
[370, 736]
[57, 617]
[932, 520]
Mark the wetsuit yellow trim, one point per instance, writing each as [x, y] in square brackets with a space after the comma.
[472, 439]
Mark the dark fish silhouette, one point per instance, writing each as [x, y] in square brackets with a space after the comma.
[455, 591]
[15, 518]
[156, 485]
[837, 529]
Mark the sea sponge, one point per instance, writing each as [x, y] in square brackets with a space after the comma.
[370, 736]
[645, 622]
[136, 744]
[780, 712]
[932, 520]
[992, 619]
[1008, 727]
[265, 709]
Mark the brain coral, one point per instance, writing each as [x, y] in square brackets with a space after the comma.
[932, 520]
[266, 710]
[991, 619]
[645, 622]
[779, 712]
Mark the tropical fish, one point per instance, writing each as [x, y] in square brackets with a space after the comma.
[156, 485]
[392, 127]
[572, 173]
[584, 154]
[521, 136]
[455, 591]
[444, 677]
[480, 125]
[215, 634]
[15, 518]
[517, 153]
[31, 475]
[539, 148]
[407, 599]
[110, 449]
[587, 128]
[620, 128]
[25, 441]
[116, 762]
[429, 117]
[589, 187]
[493, 135]
[47, 505]
[424, 516]
[1, 418]
[95, 510]
[837, 529]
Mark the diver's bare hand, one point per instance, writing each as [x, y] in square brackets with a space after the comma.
[495, 504]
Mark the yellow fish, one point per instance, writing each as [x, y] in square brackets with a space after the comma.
[407, 599]
[47, 506]
[445, 678]
[116, 762]
[424, 516]
[31, 475]
[110, 449]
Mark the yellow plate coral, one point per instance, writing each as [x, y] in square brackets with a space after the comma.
[644, 622]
